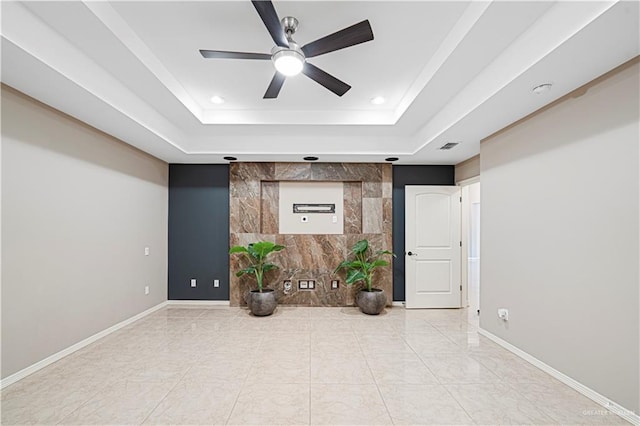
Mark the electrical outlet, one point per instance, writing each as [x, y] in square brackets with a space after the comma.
[193, 282]
[503, 314]
[216, 283]
[287, 285]
[146, 289]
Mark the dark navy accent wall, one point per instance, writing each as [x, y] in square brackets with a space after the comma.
[410, 175]
[198, 231]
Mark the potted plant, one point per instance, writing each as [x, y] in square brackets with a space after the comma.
[361, 269]
[262, 301]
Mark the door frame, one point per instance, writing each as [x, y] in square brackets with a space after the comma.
[465, 224]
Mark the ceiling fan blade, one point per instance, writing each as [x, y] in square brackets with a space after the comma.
[274, 87]
[350, 36]
[270, 18]
[221, 54]
[327, 80]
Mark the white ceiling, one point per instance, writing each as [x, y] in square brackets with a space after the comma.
[451, 71]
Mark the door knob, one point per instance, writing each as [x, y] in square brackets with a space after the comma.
[412, 254]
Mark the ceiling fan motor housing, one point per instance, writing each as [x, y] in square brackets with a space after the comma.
[289, 25]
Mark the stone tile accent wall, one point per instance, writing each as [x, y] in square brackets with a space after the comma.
[254, 193]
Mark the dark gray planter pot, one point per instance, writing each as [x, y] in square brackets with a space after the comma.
[371, 302]
[262, 304]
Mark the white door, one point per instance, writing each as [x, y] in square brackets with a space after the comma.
[432, 251]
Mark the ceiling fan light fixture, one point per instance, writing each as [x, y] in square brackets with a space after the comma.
[288, 62]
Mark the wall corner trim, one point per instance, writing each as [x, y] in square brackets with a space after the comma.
[626, 414]
[71, 349]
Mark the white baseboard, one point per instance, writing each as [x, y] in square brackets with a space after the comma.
[628, 415]
[71, 349]
[397, 304]
[198, 302]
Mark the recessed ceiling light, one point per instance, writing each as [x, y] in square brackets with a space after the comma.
[310, 158]
[543, 88]
[217, 100]
[391, 159]
[229, 158]
[378, 100]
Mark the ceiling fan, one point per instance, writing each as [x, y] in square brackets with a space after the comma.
[289, 59]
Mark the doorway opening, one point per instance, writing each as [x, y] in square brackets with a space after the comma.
[471, 244]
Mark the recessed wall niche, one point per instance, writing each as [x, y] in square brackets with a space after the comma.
[254, 216]
[311, 208]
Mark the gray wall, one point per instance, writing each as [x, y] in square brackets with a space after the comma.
[78, 208]
[560, 236]
[198, 231]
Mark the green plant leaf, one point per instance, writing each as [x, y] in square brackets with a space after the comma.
[381, 252]
[379, 262]
[355, 275]
[344, 264]
[269, 266]
[360, 247]
[237, 249]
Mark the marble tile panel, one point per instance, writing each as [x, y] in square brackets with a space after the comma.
[387, 218]
[292, 171]
[497, 404]
[342, 171]
[246, 172]
[343, 404]
[371, 189]
[372, 215]
[352, 208]
[387, 172]
[399, 368]
[268, 404]
[244, 215]
[431, 343]
[196, 403]
[270, 221]
[412, 404]
[124, 402]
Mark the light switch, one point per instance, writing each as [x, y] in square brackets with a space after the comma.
[193, 282]
[146, 251]
[216, 283]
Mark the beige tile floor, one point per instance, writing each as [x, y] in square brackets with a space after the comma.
[321, 366]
